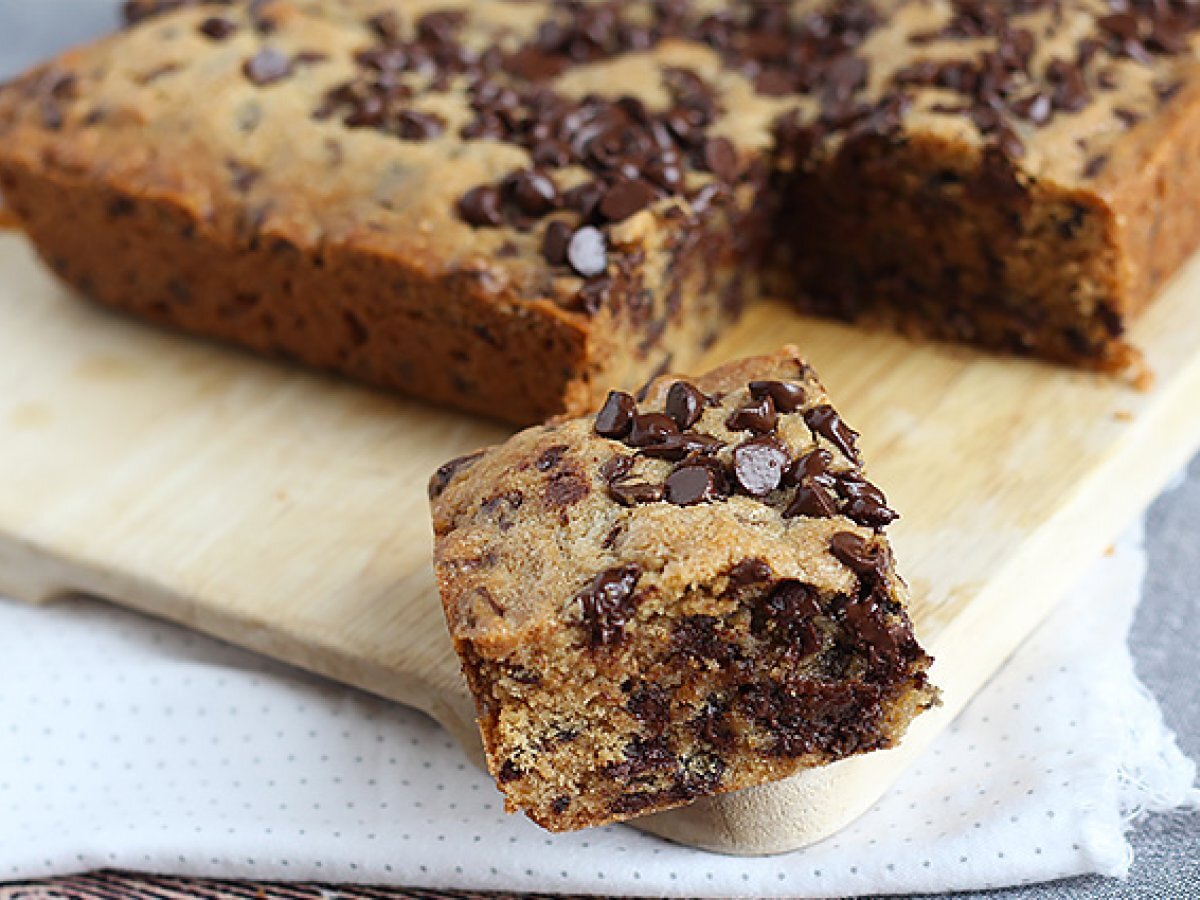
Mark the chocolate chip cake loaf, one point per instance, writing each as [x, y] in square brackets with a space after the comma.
[678, 596]
[509, 206]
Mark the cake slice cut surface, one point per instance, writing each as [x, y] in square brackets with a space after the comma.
[681, 595]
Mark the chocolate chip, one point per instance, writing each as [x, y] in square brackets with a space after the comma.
[720, 158]
[554, 242]
[634, 493]
[1035, 108]
[481, 206]
[559, 804]
[626, 197]
[550, 457]
[267, 66]
[566, 488]
[853, 551]
[418, 126]
[865, 504]
[616, 416]
[533, 192]
[758, 465]
[509, 772]
[758, 416]
[588, 252]
[608, 604]
[679, 446]
[788, 397]
[785, 614]
[811, 500]
[685, 403]
[691, 484]
[825, 421]
[217, 28]
[446, 472]
[650, 428]
[750, 571]
[815, 462]
[584, 198]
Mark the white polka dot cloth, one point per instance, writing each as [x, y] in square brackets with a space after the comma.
[125, 742]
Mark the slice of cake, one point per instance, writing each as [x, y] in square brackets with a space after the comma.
[681, 595]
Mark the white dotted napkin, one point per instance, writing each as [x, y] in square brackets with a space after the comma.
[125, 742]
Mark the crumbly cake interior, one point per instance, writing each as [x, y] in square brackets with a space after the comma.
[675, 597]
[513, 206]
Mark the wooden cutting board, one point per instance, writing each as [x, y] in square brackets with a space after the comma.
[285, 512]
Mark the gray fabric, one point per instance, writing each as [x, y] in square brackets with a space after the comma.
[1165, 635]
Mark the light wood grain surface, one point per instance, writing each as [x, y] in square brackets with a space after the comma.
[286, 512]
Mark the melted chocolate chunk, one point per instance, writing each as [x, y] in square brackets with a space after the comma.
[759, 464]
[785, 615]
[608, 603]
[750, 571]
[865, 503]
[824, 421]
[866, 560]
[685, 404]
[615, 418]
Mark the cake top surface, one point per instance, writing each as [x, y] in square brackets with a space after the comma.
[528, 144]
[744, 473]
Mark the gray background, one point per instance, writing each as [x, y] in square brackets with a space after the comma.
[1165, 636]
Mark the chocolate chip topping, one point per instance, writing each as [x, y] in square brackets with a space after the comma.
[679, 446]
[758, 465]
[865, 503]
[693, 483]
[650, 428]
[267, 66]
[587, 251]
[788, 397]
[616, 416]
[481, 206]
[824, 421]
[812, 500]
[608, 604]
[759, 416]
[555, 240]
[685, 404]
[533, 192]
[626, 197]
[634, 493]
